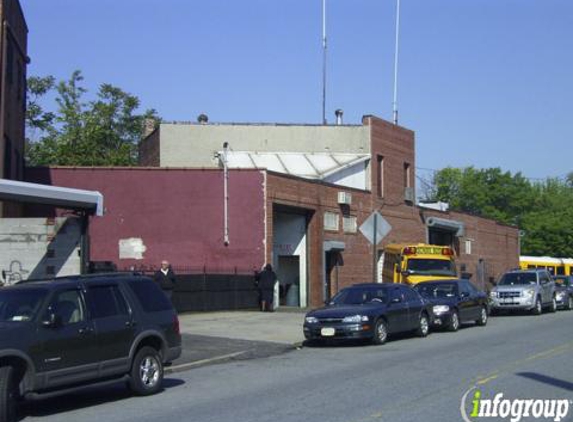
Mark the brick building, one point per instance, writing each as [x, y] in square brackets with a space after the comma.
[287, 204]
[13, 61]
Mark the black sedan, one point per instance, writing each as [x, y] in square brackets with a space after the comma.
[369, 311]
[564, 291]
[454, 302]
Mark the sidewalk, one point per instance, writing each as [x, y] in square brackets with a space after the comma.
[216, 337]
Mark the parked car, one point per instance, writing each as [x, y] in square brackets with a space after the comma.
[455, 302]
[530, 290]
[61, 334]
[564, 291]
[369, 311]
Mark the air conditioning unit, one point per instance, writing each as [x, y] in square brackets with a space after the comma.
[409, 194]
[344, 198]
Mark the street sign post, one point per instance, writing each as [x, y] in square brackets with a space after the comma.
[375, 228]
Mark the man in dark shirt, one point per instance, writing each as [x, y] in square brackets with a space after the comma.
[165, 278]
[267, 279]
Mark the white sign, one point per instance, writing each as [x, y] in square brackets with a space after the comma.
[132, 248]
[382, 227]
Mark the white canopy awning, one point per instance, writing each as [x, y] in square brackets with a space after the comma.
[337, 168]
[90, 201]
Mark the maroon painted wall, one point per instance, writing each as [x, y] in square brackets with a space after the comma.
[177, 212]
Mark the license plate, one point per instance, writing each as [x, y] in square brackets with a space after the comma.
[327, 332]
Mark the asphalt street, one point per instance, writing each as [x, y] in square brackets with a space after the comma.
[407, 379]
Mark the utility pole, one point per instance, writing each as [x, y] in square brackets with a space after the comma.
[324, 62]
[395, 102]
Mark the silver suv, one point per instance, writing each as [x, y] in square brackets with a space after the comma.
[530, 290]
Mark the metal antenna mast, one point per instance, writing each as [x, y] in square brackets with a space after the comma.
[324, 62]
[395, 102]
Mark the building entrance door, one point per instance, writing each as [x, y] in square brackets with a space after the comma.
[288, 273]
[332, 260]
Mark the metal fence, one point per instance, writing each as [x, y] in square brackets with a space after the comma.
[203, 288]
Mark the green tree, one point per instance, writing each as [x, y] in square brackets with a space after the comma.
[102, 132]
[543, 210]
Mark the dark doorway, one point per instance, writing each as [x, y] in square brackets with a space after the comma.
[288, 273]
[333, 260]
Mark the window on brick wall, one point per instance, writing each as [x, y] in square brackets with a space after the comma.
[331, 221]
[407, 175]
[468, 247]
[7, 158]
[349, 224]
[380, 175]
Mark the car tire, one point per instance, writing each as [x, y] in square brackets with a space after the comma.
[380, 332]
[8, 394]
[454, 324]
[482, 320]
[537, 308]
[553, 307]
[146, 375]
[570, 303]
[424, 326]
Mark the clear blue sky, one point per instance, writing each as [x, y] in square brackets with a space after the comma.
[482, 82]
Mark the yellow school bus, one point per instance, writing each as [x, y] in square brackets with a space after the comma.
[415, 263]
[556, 266]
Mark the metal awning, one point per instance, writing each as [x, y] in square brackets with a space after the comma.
[90, 201]
[450, 225]
[318, 165]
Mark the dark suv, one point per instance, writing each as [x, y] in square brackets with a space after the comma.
[61, 334]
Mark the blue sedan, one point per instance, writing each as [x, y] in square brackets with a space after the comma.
[369, 311]
[455, 302]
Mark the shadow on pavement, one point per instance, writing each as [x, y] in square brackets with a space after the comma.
[88, 397]
[556, 382]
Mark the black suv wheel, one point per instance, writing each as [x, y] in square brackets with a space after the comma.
[146, 372]
[8, 394]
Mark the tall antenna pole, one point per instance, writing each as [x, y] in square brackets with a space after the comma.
[395, 102]
[324, 62]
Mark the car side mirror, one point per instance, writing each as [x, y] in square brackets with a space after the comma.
[53, 321]
[406, 273]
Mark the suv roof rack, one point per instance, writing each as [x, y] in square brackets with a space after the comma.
[82, 276]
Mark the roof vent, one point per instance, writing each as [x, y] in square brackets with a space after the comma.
[338, 113]
[203, 119]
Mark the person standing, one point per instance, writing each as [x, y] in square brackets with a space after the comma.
[165, 278]
[267, 280]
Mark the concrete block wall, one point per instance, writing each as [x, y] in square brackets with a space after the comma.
[33, 248]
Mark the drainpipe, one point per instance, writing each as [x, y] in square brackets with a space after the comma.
[225, 195]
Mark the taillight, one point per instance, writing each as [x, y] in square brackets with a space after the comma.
[447, 252]
[176, 325]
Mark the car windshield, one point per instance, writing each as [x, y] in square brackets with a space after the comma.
[358, 296]
[437, 290]
[431, 267]
[510, 279]
[20, 305]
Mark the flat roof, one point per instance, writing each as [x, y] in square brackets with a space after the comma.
[90, 201]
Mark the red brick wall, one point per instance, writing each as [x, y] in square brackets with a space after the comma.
[149, 150]
[13, 39]
[178, 213]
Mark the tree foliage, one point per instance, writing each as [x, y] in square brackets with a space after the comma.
[102, 132]
[542, 210]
